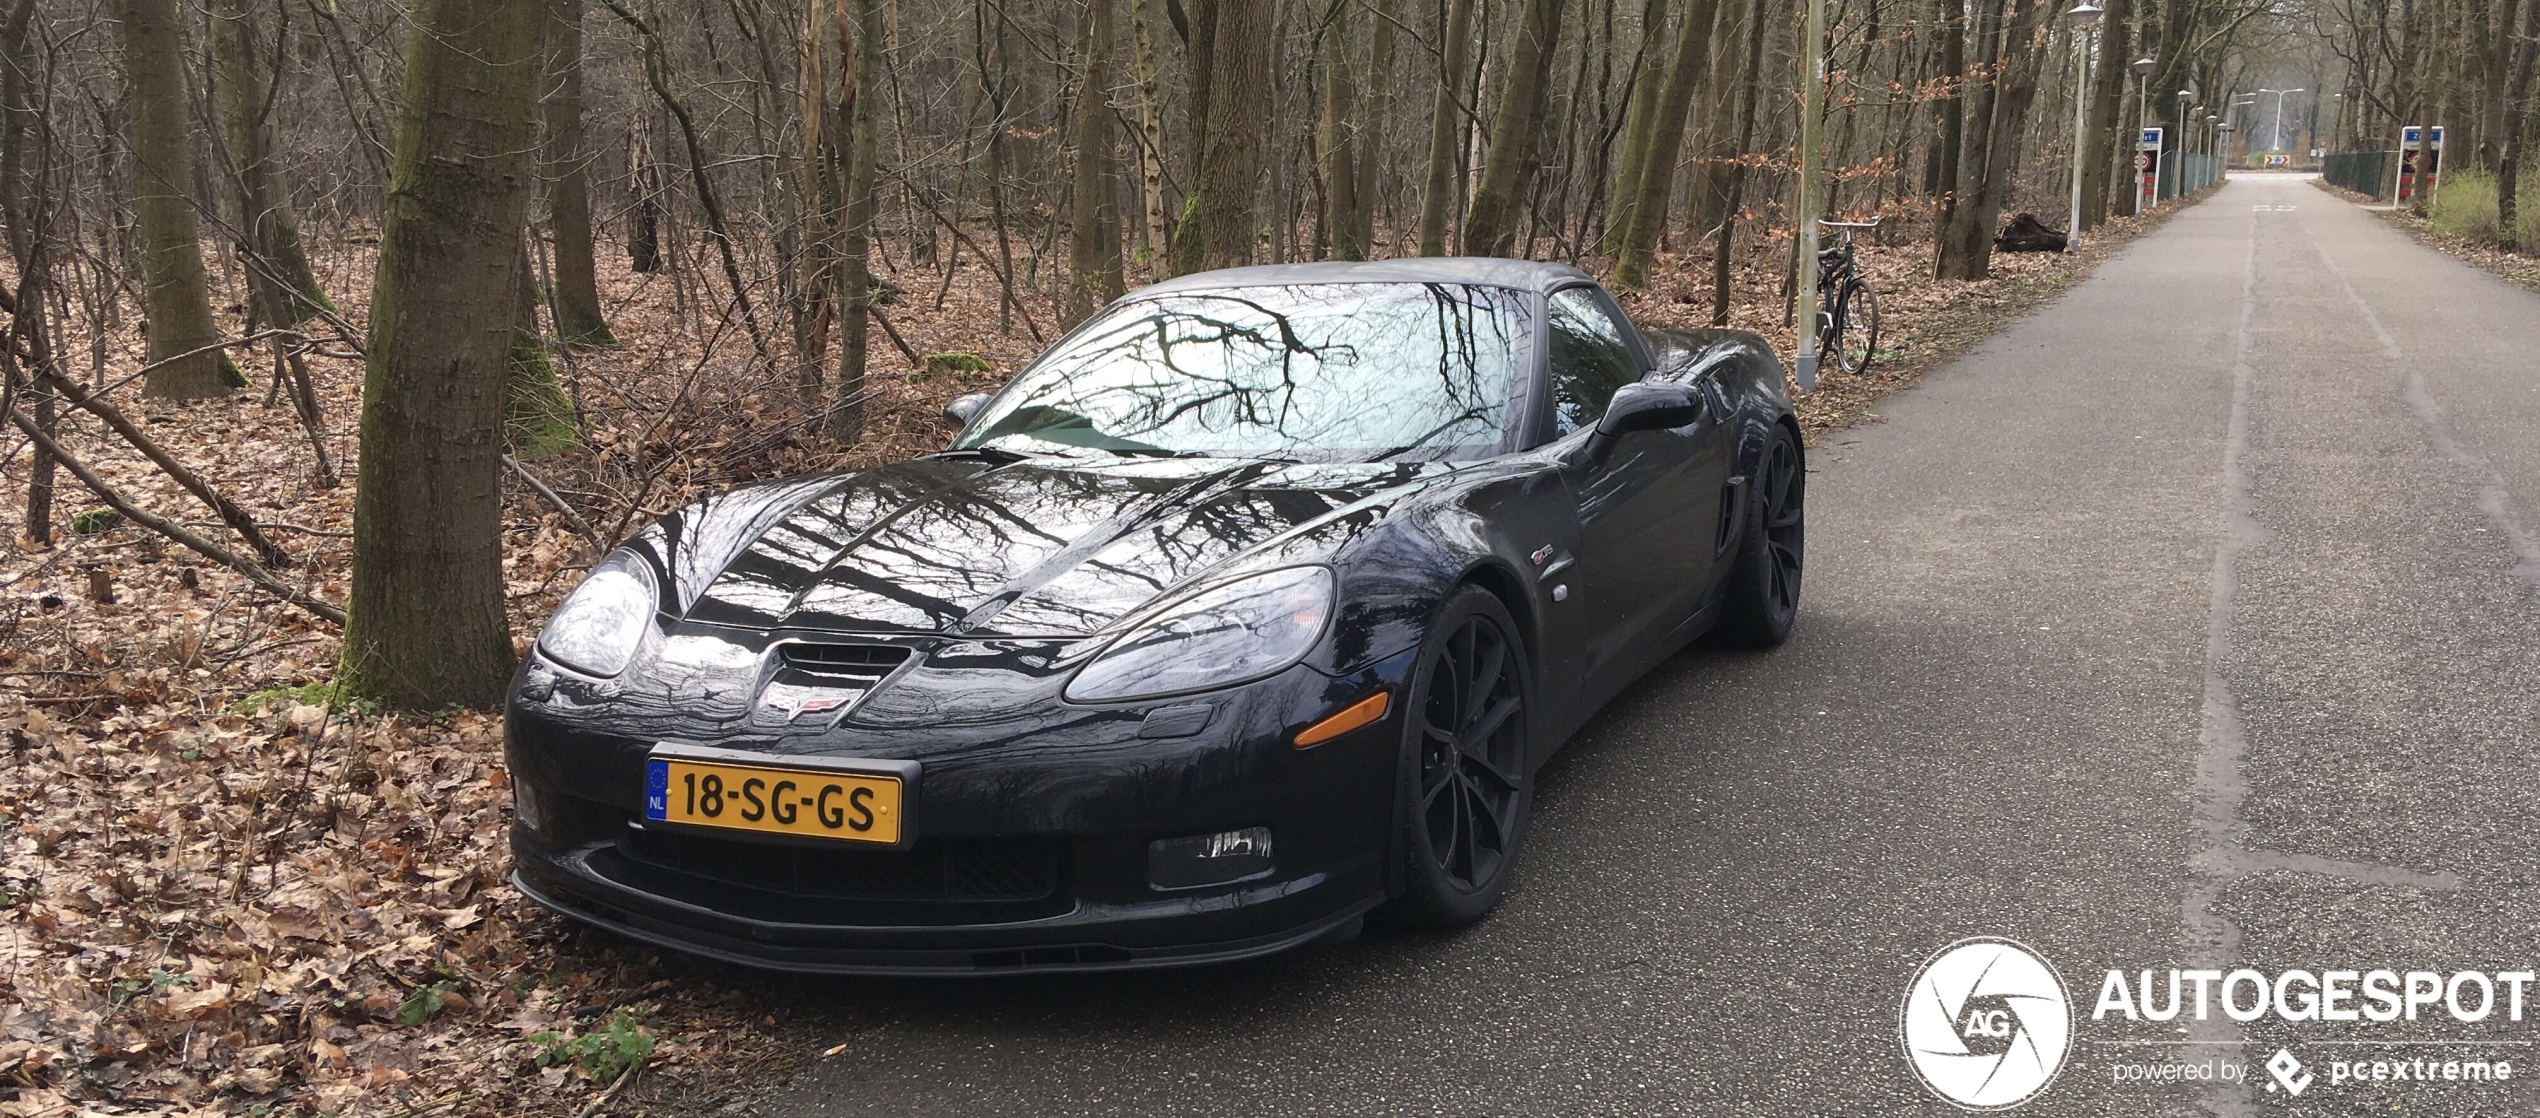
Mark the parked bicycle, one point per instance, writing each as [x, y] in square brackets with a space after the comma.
[1848, 318]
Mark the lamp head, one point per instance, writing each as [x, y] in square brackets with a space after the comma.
[2144, 66]
[2085, 15]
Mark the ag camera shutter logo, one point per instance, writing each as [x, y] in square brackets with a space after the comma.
[1987, 1023]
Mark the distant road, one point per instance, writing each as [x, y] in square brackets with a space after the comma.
[2192, 621]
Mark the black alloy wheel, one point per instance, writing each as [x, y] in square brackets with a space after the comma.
[1466, 789]
[1761, 600]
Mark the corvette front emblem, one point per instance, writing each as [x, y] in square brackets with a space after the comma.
[814, 706]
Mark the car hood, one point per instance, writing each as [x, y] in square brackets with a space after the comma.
[1039, 548]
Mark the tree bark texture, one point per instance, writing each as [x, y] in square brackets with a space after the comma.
[1189, 247]
[1666, 143]
[2010, 58]
[2107, 92]
[176, 297]
[1375, 112]
[427, 626]
[23, 216]
[579, 319]
[1446, 126]
[2516, 125]
[1508, 171]
[537, 415]
[282, 289]
[1093, 240]
[1335, 138]
[1150, 133]
[855, 238]
[1640, 118]
[1230, 174]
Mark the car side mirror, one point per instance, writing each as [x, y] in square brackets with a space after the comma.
[963, 409]
[1644, 406]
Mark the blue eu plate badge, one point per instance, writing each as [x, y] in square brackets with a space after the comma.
[656, 790]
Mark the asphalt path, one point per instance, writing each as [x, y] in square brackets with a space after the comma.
[2192, 621]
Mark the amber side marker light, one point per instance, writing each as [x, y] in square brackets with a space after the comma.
[1351, 717]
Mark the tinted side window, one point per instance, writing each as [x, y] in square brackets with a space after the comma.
[1589, 360]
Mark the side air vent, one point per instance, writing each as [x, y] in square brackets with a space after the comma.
[1732, 510]
[843, 661]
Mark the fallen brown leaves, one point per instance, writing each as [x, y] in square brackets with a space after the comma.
[219, 896]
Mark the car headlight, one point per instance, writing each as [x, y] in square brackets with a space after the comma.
[1245, 630]
[601, 624]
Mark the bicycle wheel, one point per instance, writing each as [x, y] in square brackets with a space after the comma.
[1856, 321]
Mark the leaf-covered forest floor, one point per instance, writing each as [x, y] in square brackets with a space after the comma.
[222, 894]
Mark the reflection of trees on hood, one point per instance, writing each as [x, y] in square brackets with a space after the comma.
[1364, 370]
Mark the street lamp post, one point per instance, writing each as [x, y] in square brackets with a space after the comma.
[2275, 141]
[1812, 100]
[2213, 146]
[2143, 68]
[2084, 17]
[2180, 145]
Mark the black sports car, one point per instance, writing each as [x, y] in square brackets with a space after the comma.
[1249, 608]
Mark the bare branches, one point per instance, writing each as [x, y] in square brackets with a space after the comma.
[114, 499]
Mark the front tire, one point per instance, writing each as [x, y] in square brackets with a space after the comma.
[1465, 791]
[1760, 603]
[1857, 343]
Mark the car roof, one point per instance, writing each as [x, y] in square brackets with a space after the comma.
[1524, 275]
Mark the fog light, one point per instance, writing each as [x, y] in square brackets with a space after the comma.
[1185, 863]
[526, 808]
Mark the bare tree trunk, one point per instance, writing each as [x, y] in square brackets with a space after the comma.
[1190, 247]
[1227, 191]
[643, 226]
[176, 294]
[1748, 101]
[1974, 109]
[1375, 113]
[1093, 240]
[537, 416]
[25, 215]
[1446, 125]
[1666, 141]
[427, 626]
[579, 320]
[2107, 91]
[1150, 135]
[282, 289]
[1640, 119]
[816, 175]
[855, 242]
[718, 226]
[1335, 141]
[2516, 125]
[1490, 228]
[2009, 58]
[1941, 176]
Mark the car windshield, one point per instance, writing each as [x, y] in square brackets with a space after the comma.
[1311, 372]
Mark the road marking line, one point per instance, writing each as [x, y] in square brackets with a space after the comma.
[2493, 498]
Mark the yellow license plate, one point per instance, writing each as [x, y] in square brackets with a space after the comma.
[853, 807]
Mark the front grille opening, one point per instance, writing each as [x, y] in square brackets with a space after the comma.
[1049, 956]
[938, 870]
[842, 661]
